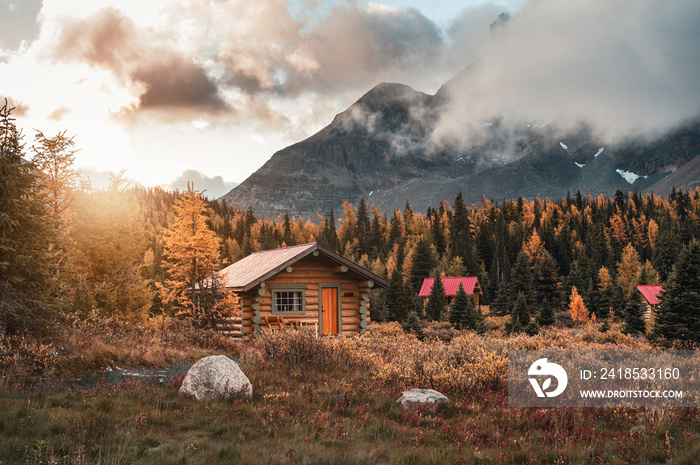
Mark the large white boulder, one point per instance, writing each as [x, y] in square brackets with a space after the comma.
[215, 377]
[411, 400]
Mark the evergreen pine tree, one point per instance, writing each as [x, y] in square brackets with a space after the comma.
[459, 307]
[395, 233]
[469, 316]
[521, 280]
[547, 286]
[399, 299]
[411, 324]
[546, 315]
[461, 240]
[678, 314]
[437, 231]
[287, 226]
[376, 236]
[27, 267]
[519, 315]
[363, 227]
[437, 300]
[377, 302]
[593, 299]
[532, 329]
[581, 269]
[633, 314]
[479, 326]
[332, 234]
[422, 264]
[617, 301]
[666, 250]
[501, 304]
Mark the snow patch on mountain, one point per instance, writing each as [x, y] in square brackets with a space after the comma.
[629, 176]
[600, 150]
[580, 165]
[563, 145]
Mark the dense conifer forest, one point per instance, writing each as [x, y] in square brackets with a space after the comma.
[539, 260]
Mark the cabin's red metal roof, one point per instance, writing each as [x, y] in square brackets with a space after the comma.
[651, 293]
[451, 285]
[255, 268]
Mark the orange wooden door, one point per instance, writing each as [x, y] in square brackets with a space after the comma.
[329, 299]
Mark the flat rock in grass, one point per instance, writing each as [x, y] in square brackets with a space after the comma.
[411, 400]
[215, 377]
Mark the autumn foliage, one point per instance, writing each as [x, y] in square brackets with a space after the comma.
[579, 312]
[191, 252]
[161, 249]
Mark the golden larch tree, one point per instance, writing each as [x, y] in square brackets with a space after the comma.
[191, 252]
[604, 279]
[579, 312]
[628, 268]
[618, 228]
[60, 182]
[652, 233]
[533, 247]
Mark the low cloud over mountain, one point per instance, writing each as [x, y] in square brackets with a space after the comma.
[214, 187]
[625, 68]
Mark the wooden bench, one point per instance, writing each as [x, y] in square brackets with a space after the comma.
[274, 319]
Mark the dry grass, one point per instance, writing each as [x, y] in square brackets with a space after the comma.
[86, 346]
[331, 400]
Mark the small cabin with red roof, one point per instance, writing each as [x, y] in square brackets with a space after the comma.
[451, 285]
[303, 285]
[651, 295]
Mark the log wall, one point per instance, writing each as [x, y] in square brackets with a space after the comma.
[311, 272]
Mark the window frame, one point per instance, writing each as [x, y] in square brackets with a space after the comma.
[274, 290]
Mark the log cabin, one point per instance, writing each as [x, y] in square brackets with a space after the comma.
[303, 285]
[651, 298]
[470, 283]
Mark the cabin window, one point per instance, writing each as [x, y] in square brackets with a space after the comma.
[288, 301]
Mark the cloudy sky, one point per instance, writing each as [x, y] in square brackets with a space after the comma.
[208, 90]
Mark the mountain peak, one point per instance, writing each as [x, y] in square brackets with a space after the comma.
[388, 107]
[387, 95]
[387, 91]
[383, 148]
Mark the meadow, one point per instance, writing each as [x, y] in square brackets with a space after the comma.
[315, 400]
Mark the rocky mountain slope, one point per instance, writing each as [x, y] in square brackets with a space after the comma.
[384, 148]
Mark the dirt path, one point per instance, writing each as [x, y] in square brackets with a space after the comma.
[118, 375]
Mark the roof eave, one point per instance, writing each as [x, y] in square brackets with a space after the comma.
[354, 266]
[278, 269]
[378, 280]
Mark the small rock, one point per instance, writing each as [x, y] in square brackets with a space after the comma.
[411, 400]
[215, 377]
